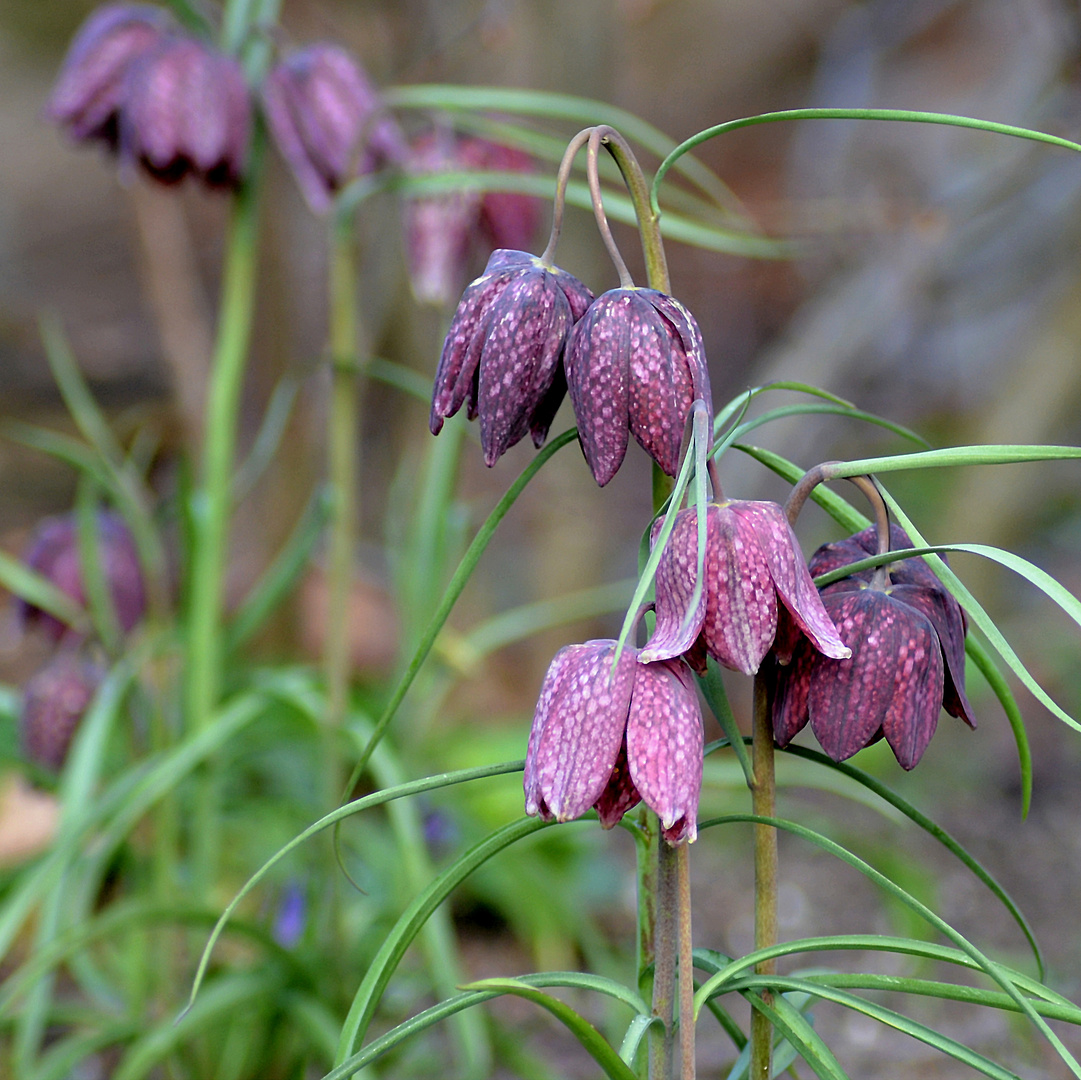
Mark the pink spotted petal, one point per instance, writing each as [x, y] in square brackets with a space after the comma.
[664, 745]
[620, 794]
[677, 571]
[578, 729]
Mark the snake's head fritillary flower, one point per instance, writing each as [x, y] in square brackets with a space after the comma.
[328, 121]
[635, 366]
[907, 663]
[607, 738]
[503, 355]
[753, 564]
[53, 552]
[54, 702]
[443, 231]
[186, 111]
[89, 90]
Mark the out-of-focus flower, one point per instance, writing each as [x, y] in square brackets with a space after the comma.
[54, 553]
[54, 702]
[328, 121]
[291, 916]
[503, 353]
[89, 90]
[635, 364]
[752, 559]
[907, 642]
[608, 739]
[186, 110]
[442, 231]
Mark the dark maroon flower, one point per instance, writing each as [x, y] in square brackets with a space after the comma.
[54, 701]
[502, 357]
[907, 642]
[186, 110]
[328, 121]
[54, 553]
[608, 739]
[635, 363]
[752, 559]
[442, 231]
[89, 91]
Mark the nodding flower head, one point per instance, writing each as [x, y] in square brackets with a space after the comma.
[186, 111]
[442, 231]
[328, 121]
[752, 560]
[54, 702]
[608, 739]
[54, 553]
[907, 663]
[635, 365]
[89, 91]
[503, 355]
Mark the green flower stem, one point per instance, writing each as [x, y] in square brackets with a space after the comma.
[342, 466]
[763, 800]
[212, 504]
[661, 1041]
[686, 964]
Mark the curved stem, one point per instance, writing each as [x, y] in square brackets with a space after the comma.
[869, 488]
[625, 279]
[649, 216]
[563, 176]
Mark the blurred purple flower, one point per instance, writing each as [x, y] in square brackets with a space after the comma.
[89, 91]
[186, 110]
[635, 364]
[752, 559]
[503, 353]
[53, 552]
[291, 916]
[907, 663]
[442, 231]
[328, 121]
[608, 740]
[54, 702]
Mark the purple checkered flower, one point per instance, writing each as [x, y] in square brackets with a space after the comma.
[328, 121]
[54, 702]
[608, 739]
[89, 91]
[907, 663]
[186, 111]
[752, 560]
[503, 355]
[635, 365]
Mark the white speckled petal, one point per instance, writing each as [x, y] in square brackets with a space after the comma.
[676, 574]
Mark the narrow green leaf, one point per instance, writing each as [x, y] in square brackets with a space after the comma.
[951, 456]
[800, 1035]
[994, 971]
[268, 438]
[632, 1037]
[813, 408]
[591, 1039]
[414, 787]
[400, 377]
[92, 564]
[712, 686]
[38, 591]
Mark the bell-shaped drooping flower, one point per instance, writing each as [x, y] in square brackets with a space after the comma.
[328, 121]
[907, 642]
[606, 739]
[752, 560]
[54, 553]
[443, 231]
[54, 702]
[186, 111]
[503, 355]
[635, 364]
[89, 91]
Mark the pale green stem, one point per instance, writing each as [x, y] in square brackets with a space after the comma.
[662, 1043]
[686, 964]
[763, 800]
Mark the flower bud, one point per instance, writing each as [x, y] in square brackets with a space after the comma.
[89, 90]
[186, 109]
[54, 702]
[54, 553]
[328, 121]
[635, 364]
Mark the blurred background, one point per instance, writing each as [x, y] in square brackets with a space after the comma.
[940, 286]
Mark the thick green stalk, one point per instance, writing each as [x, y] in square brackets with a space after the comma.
[763, 800]
[342, 451]
[662, 1043]
[686, 963]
